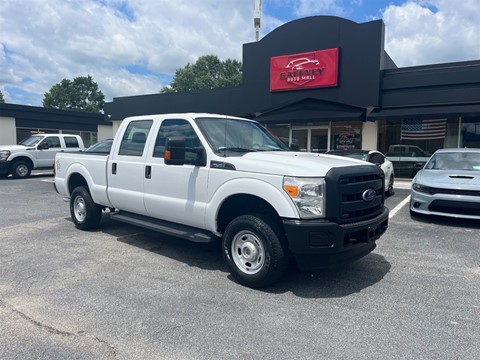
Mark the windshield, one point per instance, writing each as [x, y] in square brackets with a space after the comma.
[454, 161]
[232, 135]
[354, 156]
[31, 140]
[101, 147]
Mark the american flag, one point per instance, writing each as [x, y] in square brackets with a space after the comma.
[423, 129]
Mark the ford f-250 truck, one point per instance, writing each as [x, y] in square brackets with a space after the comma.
[205, 177]
[36, 152]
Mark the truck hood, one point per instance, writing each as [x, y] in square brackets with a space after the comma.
[290, 163]
[13, 148]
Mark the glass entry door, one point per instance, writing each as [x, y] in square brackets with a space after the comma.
[310, 139]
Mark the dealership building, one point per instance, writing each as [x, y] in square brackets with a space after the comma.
[324, 83]
[20, 121]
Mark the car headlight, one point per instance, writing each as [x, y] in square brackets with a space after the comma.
[308, 195]
[421, 188]
[4, 154]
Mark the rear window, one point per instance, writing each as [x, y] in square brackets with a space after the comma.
[71, 142]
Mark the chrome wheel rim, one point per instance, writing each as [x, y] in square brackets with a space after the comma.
[79, 208]
[248, 252]
[22, 170]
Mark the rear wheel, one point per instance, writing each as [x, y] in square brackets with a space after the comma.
[255, 251]
[85, 213]
[21, 169]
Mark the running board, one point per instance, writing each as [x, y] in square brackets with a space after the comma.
[165, 227]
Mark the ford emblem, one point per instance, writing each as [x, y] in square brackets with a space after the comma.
[369, 194]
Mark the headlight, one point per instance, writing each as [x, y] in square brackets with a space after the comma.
[421, 188]
[308, 194]
[4, 154]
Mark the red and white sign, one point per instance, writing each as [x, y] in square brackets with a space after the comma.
[305, 70]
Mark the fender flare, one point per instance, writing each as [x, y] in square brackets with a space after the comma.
[17, 155]
[98, 190]
[277, 198]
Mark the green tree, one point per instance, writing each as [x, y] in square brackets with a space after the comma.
[208, 72]
[2, 100]
[81, 94]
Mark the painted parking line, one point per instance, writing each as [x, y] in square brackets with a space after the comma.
[398, 207]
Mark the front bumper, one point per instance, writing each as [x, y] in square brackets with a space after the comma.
[4, 167]
[319, 244]
[451, 205]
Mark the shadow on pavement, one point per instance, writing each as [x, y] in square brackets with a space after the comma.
[341, 282]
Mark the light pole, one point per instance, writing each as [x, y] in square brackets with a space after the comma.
[257, 13]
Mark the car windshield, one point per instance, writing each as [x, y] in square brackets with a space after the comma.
[100, 147]
[454, 161]
[238, 136]
[353, 155]
[31, 140]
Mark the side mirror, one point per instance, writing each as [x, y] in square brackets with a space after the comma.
[43, 146]
[175, 151]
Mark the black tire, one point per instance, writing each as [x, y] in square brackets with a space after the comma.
[390, 190]
[255, 251]
[21, 169]
[86, 215]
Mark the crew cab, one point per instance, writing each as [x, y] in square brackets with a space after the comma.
[208, 177]
[36, 152]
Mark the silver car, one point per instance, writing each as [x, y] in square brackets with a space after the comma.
[448, 185]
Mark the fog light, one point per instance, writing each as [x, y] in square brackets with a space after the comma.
[416, 204]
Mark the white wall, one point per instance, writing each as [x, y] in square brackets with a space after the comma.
[104, 132]
[8, 131]
[116, 124]
[369, 135]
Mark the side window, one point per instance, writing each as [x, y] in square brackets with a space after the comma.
[52, 141]
[173, 128]
[135, 137]
[71, 142]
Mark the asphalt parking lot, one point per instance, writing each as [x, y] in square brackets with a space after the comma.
[123, 292]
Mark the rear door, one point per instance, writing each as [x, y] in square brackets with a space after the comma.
[126, 170]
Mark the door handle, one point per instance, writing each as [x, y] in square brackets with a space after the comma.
[148, 172]
[114, 168]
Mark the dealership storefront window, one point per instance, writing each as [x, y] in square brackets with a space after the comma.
[88, 137]
[408, 143]
[320, 137]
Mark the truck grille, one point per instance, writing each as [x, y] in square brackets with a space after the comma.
[349, 193]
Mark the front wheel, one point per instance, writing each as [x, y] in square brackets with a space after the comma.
[20, 169]
[254, 249]
[390, 190]
[85, 213]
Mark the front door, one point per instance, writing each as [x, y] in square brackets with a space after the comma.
[174, 192]
[46, 155]
[311, 139]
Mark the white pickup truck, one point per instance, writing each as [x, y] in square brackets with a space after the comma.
[206, 177]
[36, 152]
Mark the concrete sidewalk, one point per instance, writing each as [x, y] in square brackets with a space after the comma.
[402, 184]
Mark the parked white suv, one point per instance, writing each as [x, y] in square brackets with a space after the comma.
[36, 152]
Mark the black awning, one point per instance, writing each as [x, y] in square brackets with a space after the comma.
[311, 110]
[468, 110]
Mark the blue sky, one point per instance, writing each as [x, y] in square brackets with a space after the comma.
[133, 47]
